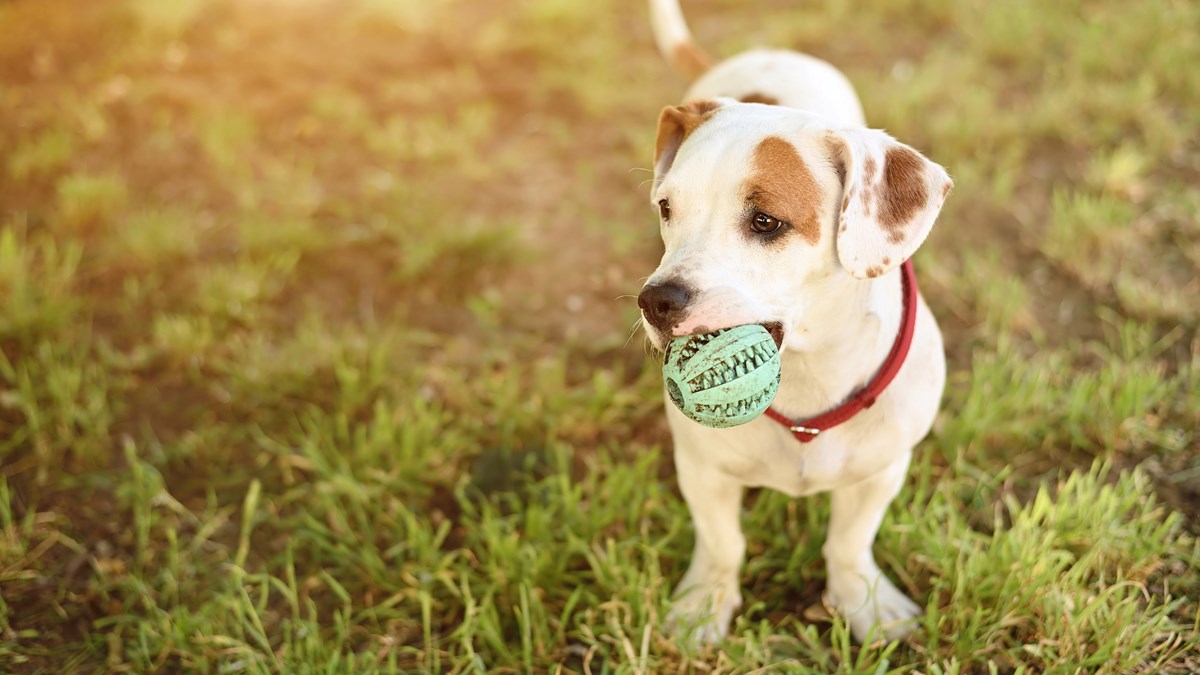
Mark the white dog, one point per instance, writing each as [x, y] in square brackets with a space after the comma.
[786, 211]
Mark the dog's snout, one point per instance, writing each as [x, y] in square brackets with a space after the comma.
[663, 304]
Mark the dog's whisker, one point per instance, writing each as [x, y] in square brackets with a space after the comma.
[632, 332]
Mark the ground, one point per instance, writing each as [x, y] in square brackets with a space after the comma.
[317, 347]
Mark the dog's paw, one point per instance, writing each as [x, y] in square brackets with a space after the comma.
[871, 601]
[701, 614]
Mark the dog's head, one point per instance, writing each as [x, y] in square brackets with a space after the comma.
[760, 206]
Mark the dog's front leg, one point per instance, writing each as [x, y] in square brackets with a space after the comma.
[708, 594]
[856, 587]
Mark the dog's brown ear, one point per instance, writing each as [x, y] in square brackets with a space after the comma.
[675, 124]
[891, 195]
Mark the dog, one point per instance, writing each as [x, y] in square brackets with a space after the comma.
[779, 207]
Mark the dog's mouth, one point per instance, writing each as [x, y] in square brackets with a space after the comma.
[775, 328]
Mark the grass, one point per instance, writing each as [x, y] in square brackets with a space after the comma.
[315, 350]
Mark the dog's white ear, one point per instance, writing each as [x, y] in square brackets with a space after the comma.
[675, 124]
[891, 195]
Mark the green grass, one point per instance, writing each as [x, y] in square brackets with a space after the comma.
[315, 354]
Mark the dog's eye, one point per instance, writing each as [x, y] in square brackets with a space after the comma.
[664, 209]
[764, 224]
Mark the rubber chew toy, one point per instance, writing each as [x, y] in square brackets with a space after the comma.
[723, 378]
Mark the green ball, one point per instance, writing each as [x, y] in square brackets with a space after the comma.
[724, 378]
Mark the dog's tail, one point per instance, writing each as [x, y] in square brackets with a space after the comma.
[675, 40]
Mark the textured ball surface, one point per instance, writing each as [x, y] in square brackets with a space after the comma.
[724, 378]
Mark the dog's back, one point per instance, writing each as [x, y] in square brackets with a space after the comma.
[769, 76]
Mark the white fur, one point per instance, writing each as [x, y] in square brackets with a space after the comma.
[794, 80]
[838, 324]
[670, 30]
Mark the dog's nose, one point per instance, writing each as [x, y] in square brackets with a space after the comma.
[663, 304]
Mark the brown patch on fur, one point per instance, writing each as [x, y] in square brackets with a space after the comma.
[845, 202]
[690, 60]
[842, 228]
[869, 189]
[837, 155]
[886, 261]
[782, 186]
[946, 189]
[755, 97]
[874, 271]
[903, 193]
[676, 123]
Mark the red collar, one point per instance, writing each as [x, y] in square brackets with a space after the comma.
[807, 430]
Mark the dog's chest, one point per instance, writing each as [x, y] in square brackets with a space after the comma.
[784, 464]
[765, 454]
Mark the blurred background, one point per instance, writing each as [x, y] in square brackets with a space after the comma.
[318, 346]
